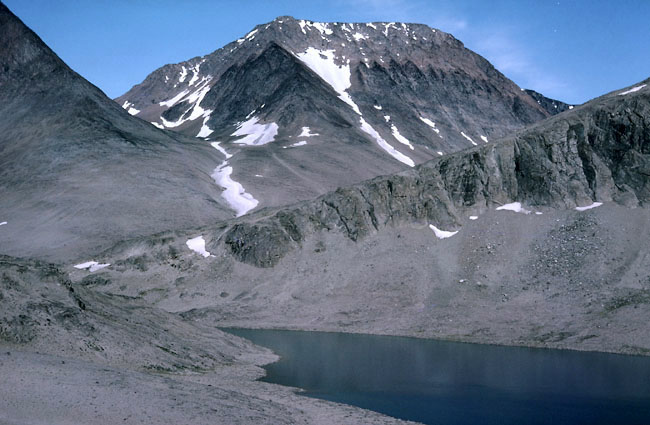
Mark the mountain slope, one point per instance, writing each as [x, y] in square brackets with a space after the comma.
[76, 171]
[390, 96]
[504, 243]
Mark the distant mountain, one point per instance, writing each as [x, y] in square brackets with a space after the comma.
[77, 171]
[305, 107]
[551, 106]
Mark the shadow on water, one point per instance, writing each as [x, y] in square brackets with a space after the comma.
[440, 382]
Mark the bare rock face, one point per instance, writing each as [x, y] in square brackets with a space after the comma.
[375, 99]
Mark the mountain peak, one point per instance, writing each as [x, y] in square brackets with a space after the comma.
[282, 19]
[386, 95]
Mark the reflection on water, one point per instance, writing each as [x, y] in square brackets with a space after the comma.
[439, 382]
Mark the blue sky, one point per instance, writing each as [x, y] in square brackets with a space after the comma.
[568, 50]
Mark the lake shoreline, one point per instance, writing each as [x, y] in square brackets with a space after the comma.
[426, 380]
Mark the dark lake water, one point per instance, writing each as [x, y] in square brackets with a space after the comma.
[439, 382]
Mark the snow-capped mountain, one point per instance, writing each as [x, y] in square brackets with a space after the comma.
[303, 107]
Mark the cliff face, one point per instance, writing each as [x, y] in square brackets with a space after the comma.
[597, 152]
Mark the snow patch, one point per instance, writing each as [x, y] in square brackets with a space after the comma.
[174, 100]
[473, 217]
[234, 193]
[250, 36]
[91, 266]
[300, 143]
[570, 106]
[195, 71]
[387, 118]
[431, 124]
[303, 24]
[306, 132]
[385, 145]
[403, 140]
[160, 126]
[358, 36]
[217, 146]
[255, 134]
[183, 75]
[468, 138]
[632, 90]
[485, 139]
[337, 76]
[514, 206]
[440, 153]
[205, 130]
[377, 107]
[197, 245]
[129, 108]
[196, 111]
[3, 223]
[323, 28]
[387, 26]
[442, 234]
[588, 207]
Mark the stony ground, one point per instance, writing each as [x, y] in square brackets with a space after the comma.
[45, 389]
[138, 341]
[563, 279]
[70, 355]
